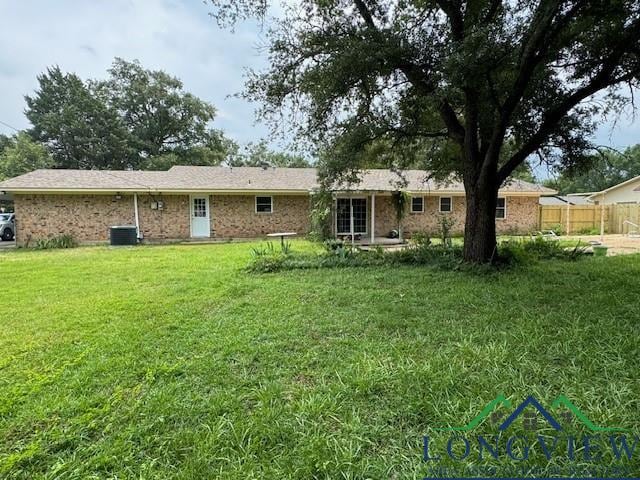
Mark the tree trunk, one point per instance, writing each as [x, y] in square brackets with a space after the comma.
[480, 225]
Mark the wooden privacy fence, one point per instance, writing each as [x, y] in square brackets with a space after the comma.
[586, 218]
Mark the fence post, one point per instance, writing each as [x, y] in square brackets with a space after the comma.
[539, 217]
[602, 218]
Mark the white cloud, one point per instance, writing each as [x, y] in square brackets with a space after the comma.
[177, 36]
[84, 37]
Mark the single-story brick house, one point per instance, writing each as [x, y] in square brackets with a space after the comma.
[239, 202]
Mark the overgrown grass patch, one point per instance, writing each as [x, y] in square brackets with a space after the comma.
[443, 255]
[173, 362]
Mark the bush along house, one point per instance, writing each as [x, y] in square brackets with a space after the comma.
[190, 202]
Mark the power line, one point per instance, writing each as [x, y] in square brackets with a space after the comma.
[10, 126]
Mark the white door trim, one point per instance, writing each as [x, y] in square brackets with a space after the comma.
[200, 233]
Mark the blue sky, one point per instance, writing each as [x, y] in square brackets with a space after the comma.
[176, 36]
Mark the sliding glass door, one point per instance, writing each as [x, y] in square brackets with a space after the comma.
[343, 215]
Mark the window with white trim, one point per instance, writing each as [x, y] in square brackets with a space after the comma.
[417, 204]
[264, 204]
[501, 208]
[200, 207]
[446, 204]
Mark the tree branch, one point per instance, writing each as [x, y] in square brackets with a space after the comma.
[539, 39]
[365, 13]
[553, 117]
[454, 14]
[455, 128]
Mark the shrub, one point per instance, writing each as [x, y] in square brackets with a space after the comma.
[267, 263]
[62, 241]
[267, 258]
[445, 223]
[332, 244]
[320, 215]
[442, 256]
[345, 256]
[421, 238]
[263, 251]
[447, 257]
[525, 251]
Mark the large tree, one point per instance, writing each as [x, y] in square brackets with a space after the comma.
[136, 118]
[160, 115]
[606, 169]
[260, 155]
[461, 78]
[78, 128]
[21, 155]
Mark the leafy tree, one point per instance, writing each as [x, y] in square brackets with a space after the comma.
[524, 172]
[466, 76]
[5, 141]
[258, 155]
[136, 118]
[79, 129]
[159, 115]
[22, 155]
[604, 170]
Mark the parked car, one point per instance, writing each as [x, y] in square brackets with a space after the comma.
[7, 226]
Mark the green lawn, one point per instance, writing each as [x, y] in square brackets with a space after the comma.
[172, 362]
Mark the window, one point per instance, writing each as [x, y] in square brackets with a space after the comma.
[446, 205]
[200, 207]
[501, 208]
[264, 204]
[417, 204]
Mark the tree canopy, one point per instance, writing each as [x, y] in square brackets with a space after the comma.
[259, 155]
[136, 118]
[20, 154]
[453, 82]
[605, 170]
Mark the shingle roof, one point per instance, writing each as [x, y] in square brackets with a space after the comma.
[231, 179]
[564, 199]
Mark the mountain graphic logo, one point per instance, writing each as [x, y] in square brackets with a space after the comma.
[531, 401]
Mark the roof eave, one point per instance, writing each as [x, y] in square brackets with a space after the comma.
[185, 191]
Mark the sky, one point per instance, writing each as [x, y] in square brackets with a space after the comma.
[176, 36]
[84, 37]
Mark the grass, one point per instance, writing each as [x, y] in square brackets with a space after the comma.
[173, 362]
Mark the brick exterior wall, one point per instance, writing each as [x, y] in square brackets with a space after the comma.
[171, 223]
[85, 217]
[522, 216]
[234, 216]
[88, 217]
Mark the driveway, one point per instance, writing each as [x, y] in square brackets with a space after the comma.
[7, 245]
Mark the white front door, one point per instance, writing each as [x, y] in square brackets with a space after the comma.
[200, 222]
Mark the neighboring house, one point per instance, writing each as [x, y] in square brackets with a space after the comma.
[623, 193]
[235, 202]
[563, 200]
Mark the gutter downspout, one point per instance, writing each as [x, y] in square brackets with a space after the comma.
[137, 217]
